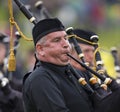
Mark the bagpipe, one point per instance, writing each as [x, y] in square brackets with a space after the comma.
[100, 96]
[5, 40]
[13, 77]
[93, 80]
[10, 99]
[113, 86]
[16, 44]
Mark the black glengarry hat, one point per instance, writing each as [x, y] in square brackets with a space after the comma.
[85, 36]
[45, 27]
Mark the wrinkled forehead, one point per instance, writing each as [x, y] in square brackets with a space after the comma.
[86, 46]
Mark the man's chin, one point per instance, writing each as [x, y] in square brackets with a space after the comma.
[66, 61]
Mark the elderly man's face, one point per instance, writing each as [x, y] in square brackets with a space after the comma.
[55, 48]
[88, 52]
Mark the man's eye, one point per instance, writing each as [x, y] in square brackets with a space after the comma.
[56, 40]
[86, 51]
[66, 38]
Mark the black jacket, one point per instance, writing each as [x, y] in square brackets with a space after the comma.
[50, 89]
[10, 100]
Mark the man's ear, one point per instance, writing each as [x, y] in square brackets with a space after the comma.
[39, 49]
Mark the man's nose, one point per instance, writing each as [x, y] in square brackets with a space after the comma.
[65, 43]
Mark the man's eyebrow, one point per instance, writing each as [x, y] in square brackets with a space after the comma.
[60, 36]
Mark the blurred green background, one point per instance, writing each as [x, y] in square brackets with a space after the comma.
[100, 16]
